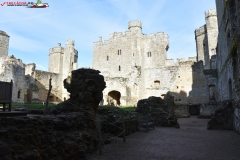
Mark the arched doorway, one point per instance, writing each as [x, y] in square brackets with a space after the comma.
[115, 95]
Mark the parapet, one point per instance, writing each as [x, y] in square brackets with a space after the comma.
[192, 59]
[70, 42]
[180, 60]
[57, 49]
[4, 33]
[200, 31]
[135, 24]
[210, 12]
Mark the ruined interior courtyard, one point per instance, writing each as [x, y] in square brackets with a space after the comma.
[194, 103]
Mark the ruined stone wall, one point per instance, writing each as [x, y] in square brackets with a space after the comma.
[42, 83]
[199, 93]
[182, 84]
[158, 81]
[4, 43]
[13, 69]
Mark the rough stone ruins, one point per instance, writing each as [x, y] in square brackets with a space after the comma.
[135, 66]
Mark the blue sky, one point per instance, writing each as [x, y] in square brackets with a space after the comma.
[34, 31]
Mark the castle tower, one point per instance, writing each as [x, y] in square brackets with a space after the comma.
[135, 27]
[4, 43]
[56, 59]
[212, 31]
[70, 58]
[206, 38]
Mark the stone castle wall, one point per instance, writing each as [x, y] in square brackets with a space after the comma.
[30, 85]
[136, 66]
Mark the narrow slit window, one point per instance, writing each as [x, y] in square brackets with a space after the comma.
[107, 58]
[19, 93]
[119, 68]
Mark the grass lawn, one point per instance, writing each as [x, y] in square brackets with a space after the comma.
[41, 106]
[125, 108]
[31, 106]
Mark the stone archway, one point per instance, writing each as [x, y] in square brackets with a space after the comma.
[115, 95]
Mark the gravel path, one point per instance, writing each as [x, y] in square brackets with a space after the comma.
[191, 142]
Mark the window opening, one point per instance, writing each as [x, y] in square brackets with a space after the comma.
[119, 68]
[19, 93]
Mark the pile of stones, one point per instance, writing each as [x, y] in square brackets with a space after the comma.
[155, 107]
[112, 119]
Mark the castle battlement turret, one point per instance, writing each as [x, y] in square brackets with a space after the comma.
[211, 12]
[57, 49]
[69, 42]
[134, 24]
[200, 31]
[135, 27]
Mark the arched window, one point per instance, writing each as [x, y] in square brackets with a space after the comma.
[119, 68]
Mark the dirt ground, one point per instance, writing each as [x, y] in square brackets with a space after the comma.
[191, 142]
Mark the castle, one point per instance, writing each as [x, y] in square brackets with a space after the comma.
[31, 85]
[135, 66]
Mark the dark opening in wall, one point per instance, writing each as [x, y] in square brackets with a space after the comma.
[51, 99]
[119, 68]
[114, 97]
[149, 54]
[107, 58]
[119, 52]
[19, 93]
[157, 83]
[133, 54]
[204, 47]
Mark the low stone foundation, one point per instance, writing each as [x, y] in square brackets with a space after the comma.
[65, 136]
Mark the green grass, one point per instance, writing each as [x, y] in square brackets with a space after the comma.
[31, 106]
[125, 108]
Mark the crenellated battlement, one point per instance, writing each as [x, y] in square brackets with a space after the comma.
[158, 35]
[200, 31]
[135, 23]
[70, 42]
[210, 12]
[57, 49]
[2, 33]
